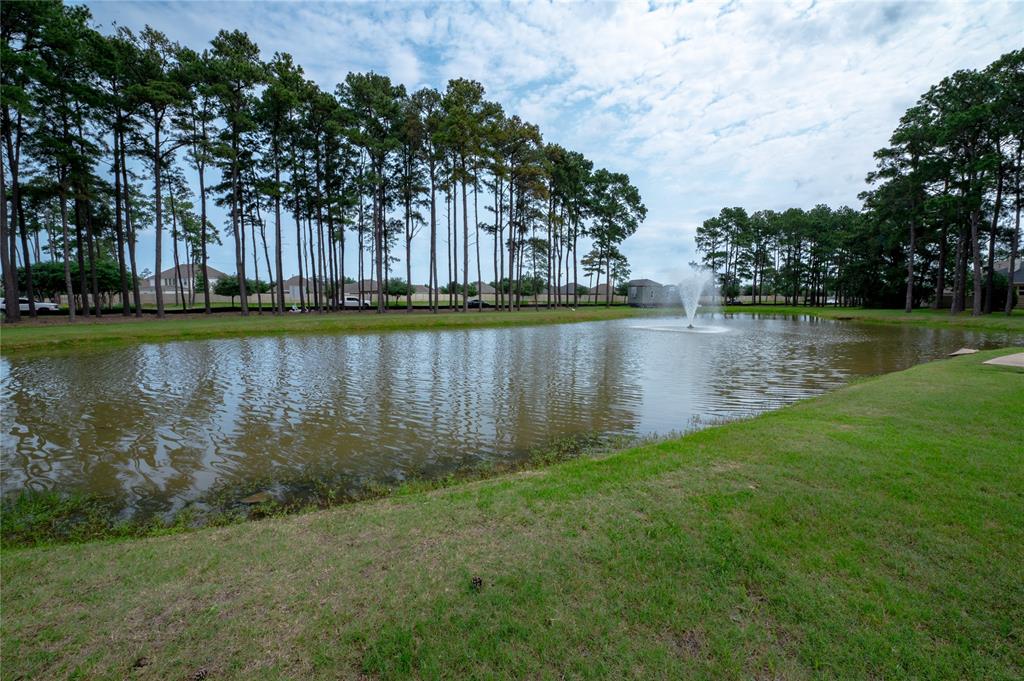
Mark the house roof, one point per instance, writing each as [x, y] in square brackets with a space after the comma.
[366, 285]
[186, 272]
[1003, 266]
[294, 281]
[644, 282]
[481, 287]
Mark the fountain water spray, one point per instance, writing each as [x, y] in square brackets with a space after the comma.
[692, 286]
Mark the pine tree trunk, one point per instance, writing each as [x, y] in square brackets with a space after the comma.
[93, 260]
[1015, 242]
[278, 258]
[119, 229]
[17, 224]
[909, 303]
[159, 221]
[976, 260]
[238, 229]
[432, 293]
[448, 246]
[13, 309]
[256, 265]
[408, 253]
[83, 289]
[179, 291]
[959, 275]
[67, 251]
[494, 244]
[990, 284]
[940, 275]
[130, 229]
[314, 303]
[476, 220]
[207, 307]
[378, 239]
[298, 248]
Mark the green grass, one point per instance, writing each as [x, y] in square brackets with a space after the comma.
[54, 334]
[89, 333]
[997, 321]
[874, 532]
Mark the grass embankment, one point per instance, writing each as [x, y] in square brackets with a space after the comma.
[90, 333]
[997, 321]
[875, 532]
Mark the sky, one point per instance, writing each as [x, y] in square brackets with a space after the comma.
[764, 105]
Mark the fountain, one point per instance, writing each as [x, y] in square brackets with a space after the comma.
[691, 288]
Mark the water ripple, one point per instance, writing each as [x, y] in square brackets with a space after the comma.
[160, 424]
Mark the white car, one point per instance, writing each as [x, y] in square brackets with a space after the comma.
[41, 305]
[352, 301]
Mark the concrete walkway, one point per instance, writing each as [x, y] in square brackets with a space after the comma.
[1015, 360]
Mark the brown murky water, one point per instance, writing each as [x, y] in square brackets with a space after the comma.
[160, 424]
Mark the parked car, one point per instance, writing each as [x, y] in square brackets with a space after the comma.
[352, 301]
[477, 303]
[41, 305]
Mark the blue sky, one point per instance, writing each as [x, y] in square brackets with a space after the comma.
[705, 105]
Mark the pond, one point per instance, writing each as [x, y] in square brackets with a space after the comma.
[160, 425]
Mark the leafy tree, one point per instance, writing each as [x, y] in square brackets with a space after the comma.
[158, 90]
[236, 70]
[49, 277]
[195, 119]
[274, 113]
[228, 286]
[398, 287]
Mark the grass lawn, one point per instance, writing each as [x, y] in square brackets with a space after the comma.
[874, 532]
[997, 321]
[55, 334]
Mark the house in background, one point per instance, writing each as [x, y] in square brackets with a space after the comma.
[292, 286]
[601, 292]
[566, 289]
[1016, 281]
[366, 287]
[644, 293]
[169, 279]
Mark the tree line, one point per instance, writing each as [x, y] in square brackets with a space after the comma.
[98, 130]
[942, 206]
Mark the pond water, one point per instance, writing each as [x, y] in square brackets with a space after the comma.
[159, 425]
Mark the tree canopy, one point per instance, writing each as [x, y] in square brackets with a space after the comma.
[939, 223]
[101, 126]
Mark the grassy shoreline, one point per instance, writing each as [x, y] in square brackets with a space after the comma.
[50, 518]
[87, 333]
[923, 317]
[863, 533]
[50, 335]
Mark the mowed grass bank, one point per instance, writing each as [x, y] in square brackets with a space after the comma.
[875, 532]
[89, 333]
[997, 321]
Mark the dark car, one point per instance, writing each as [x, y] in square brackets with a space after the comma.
[477, 303]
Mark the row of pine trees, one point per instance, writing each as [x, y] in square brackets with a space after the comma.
[98, 131]
[942, 209]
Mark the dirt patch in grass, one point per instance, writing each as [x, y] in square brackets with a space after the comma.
[688, 644]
